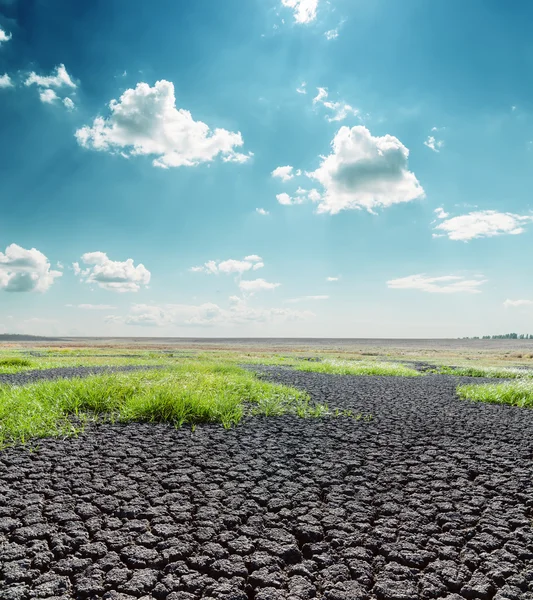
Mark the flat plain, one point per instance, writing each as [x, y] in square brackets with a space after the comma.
[266, 469]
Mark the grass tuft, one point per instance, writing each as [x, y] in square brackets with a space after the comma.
[14, 361]
[494, 372]
[354, 367]
[189, 393]
[516, 393]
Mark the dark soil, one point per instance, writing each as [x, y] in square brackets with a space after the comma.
[431, 499]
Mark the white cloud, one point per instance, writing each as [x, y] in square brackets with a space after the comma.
[146, 122]
[207, 314]
[262, 211]
[441, 213]
[332, 34]
[517, 303]
[364, 171]
[95, 306]
[306, 298]
[68, 103]
[434, 144]
[340, 109]
[304, 10]
[214, 267]
[332, 278]
[5, 81]
[48, 96]
[4, 37]
[301, 89]
[287, 200]
[115, 276]
[257, 285]
[24, 270]
[322, 95]
[283, 173]
[483, 223]
[447, 284]
[59, 79]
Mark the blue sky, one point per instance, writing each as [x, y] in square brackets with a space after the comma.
[338, 168]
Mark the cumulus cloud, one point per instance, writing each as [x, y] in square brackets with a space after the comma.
[364, 171]
[305, 299]
[304, 10]
[68, 103]
[24, 270]
[257, 285]
[262, 211]
[146, 122]
[214, 267]
[115, 276]
[301, 196]
[447, 284]
[4, 37]
[433, 144]
[482, 223]
[48, 96]
[517, 303]
[59, 78]
[284, 173]
[441, 213]
[206, 315]
[5, 81]
[332, 278]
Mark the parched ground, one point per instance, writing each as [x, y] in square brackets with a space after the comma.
[431, 499]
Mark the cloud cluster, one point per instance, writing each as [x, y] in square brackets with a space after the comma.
[262, 211]
[45, 84]
[285, 173]
[481, 223]
[433, 144]
[256, 285]
[24, 270]
[304, 10]
[5, 81]
[146, 122]
[447, 284]
[215, 267]
[517, 303]
[115, 276]
[364, 171]
[206, 315]
[301, 195]
[4, 37]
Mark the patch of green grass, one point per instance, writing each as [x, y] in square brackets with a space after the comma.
[14, 361]
[515, 393]
[189, 393]
[357, 367]
[495, 372]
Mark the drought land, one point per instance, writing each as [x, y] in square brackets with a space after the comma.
[266, 469]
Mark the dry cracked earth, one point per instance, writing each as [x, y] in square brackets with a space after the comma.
[431, 499]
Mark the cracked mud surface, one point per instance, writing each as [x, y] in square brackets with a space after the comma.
[431, 499]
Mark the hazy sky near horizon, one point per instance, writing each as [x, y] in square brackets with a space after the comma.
[299, 168]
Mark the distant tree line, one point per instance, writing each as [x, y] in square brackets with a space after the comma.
[503, 336]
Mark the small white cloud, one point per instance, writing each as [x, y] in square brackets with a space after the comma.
[305, 299]
[332, 278]
[214, 267]
[146, 122]
[257, 285]
[304, 10]
[4, 37]
[340, 110]
[283, 173]
[95, 306]
[5, 81]
[301, 89]
[262, 211]
[111, 275]
[483, 223]
[447, 284]
[68, 103]
[48, 96]
[434, 144]
[517, 303]
[24, 270]
[59, 79]
[287, 200]
[332, 34]
[441, 213]
[364, 171]
[322, 95]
